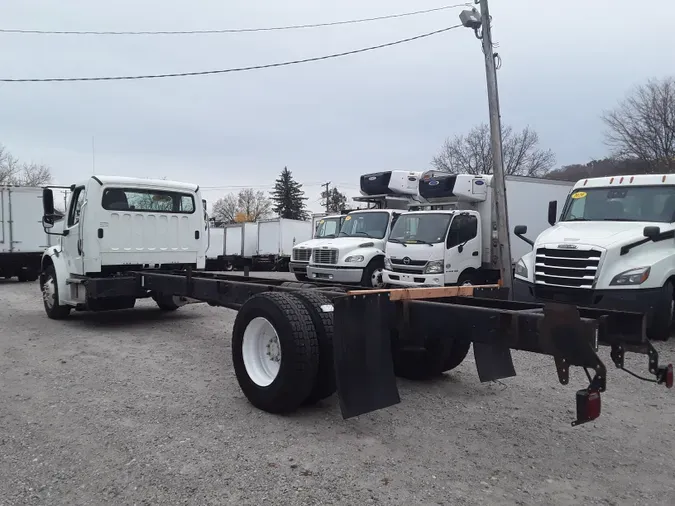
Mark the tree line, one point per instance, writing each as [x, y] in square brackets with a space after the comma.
[639, 132]
[286, 200]
[15, 172]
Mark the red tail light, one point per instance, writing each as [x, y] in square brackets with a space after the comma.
[664, 375]
[669, 376]
[588, 406]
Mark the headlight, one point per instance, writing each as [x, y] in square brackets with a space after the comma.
[387, 264]
[354, 258]
[635, 276]
[434, 267]
[521, 269]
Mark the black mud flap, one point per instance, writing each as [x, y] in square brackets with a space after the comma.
[364, 368]
[493, 362]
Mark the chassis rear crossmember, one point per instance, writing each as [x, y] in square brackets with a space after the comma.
[366, 320]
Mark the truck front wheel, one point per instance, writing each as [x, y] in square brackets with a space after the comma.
[372, 274]
[662, 320]
[50, 295]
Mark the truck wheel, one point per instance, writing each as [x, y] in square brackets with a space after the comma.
[320, 310]
[372, 274]
[436, 357]
[167, 302]
[50, 295]
[466, 279]
[275, 351]
[662, 322]
[300, 277]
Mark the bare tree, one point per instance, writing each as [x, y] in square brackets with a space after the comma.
[254, 204]
[472, 153]
[642, 126]
[225, 209]
[24, 174]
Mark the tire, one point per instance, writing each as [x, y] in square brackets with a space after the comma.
[285, 320]
[466, 278]
[436, 357]
[373, 270]
[50, 295]
[167, 302]
[661, 324]
[300, 277]
[322, 318]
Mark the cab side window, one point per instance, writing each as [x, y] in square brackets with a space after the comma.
[463, 228]
[76, 200]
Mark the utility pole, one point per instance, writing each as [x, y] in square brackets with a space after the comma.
[327, 196]
[470, 19]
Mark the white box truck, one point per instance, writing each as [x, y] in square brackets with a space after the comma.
[241, 244]
[214, 252]
[453, 240]
[613, 247]
[276, 239]
[22, 238]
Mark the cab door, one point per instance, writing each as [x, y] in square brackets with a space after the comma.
[72, 242]
[462, 248]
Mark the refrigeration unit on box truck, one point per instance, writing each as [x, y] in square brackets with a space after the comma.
[276, 239]
[454, 240]
[400, 182]
[22, 238]
[241, 244]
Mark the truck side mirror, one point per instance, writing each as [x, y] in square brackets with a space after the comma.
[48, 202]
[521, 230]
[552, 212]
[651, 232]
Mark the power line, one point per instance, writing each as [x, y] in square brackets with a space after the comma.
[234, 30]
[231, 70]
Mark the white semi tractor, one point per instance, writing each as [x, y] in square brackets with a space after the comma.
[613, 247]
[325, 227]
[453, 240]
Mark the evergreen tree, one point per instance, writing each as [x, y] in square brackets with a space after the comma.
[336, 200]
[288, 197]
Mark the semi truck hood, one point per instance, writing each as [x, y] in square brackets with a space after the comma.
[604, 234]
[312, 243]
[346, 244]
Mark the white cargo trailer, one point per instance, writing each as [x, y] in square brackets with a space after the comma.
[276, 239]
[22, 238]
[240, 244]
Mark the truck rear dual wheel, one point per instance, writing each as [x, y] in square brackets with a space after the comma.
[438, 355]
[282, 350]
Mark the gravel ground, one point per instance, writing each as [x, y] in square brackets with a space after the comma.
[140, 407]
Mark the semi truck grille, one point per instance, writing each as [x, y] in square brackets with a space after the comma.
[325, 256]
[563, 267]
[302, 254]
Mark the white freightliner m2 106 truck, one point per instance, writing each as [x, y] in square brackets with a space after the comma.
[612, 248]
[115, 225]
[327, 227]
[356, 255]
[456, 243]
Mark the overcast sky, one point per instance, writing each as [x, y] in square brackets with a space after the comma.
[564, 61]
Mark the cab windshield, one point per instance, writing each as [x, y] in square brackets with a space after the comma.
[639, 203]
[328, 228]
[425, 228]
[373, 225]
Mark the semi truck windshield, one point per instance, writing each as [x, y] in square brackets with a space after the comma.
[640, 203]
[328, 227]
[421, 228]
[373, 225]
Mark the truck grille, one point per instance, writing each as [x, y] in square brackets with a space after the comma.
[562, 267]
[325, 256]
[302, 254]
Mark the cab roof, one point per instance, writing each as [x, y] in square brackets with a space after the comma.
[629, 180]
[146, 183]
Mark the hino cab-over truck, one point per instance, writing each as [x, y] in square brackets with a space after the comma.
[294, 344]
[453, 241]
[613, 247]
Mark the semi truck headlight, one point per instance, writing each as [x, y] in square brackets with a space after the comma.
[387, 264]
[521, 269]
[434, 267]
[635, 276]
[354, 258]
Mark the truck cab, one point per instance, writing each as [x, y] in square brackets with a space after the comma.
[115, 225]
[326, 227]
[434, 248]
[356, 255]
[613, 247]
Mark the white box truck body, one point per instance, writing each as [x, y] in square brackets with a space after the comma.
[452, 238]
[214, 253]
[22, 237]
[276, 239]
[241, 244]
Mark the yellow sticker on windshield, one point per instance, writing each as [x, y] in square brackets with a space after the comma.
[578, 195]
[347, 218]
[321, 222]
